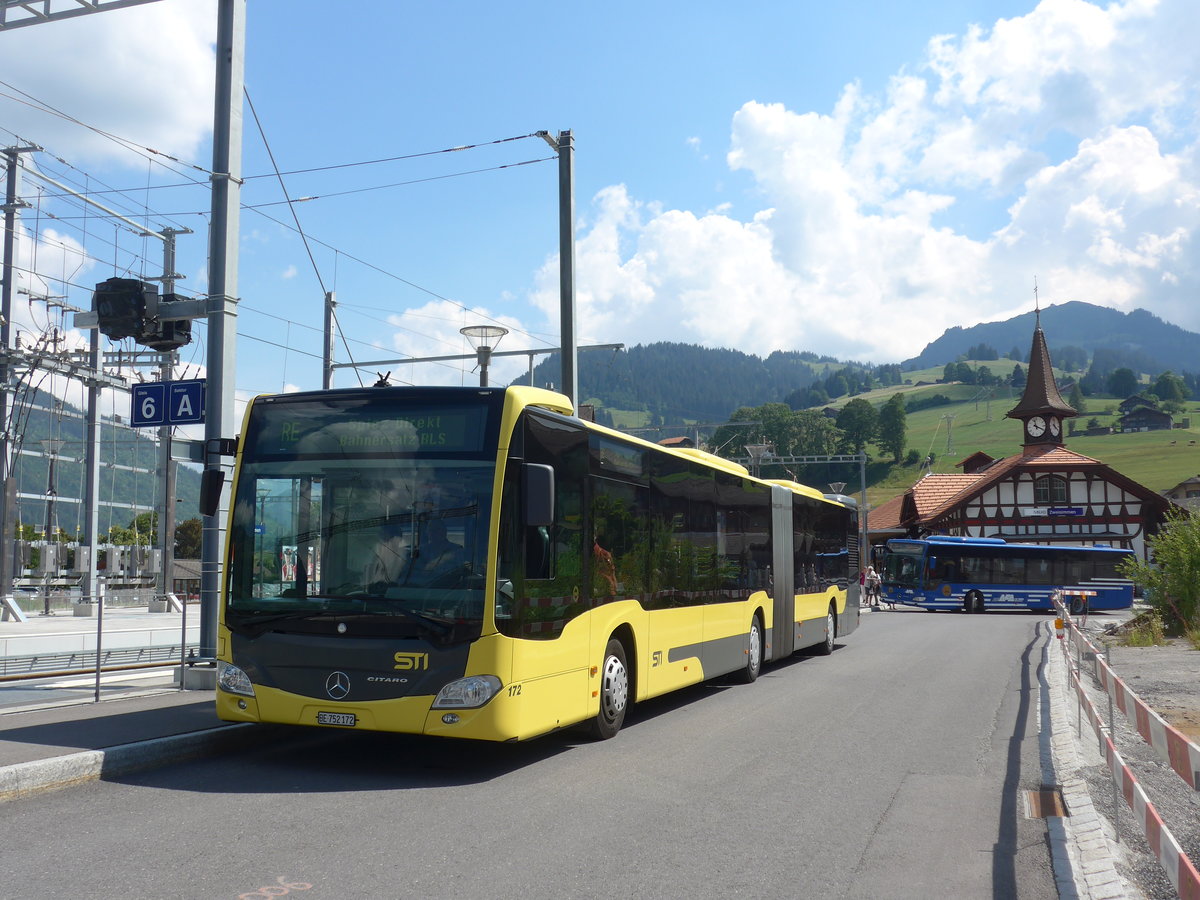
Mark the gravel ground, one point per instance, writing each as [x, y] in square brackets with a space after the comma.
[1168, 679]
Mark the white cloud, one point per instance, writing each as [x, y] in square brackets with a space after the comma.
[1072, 127]
[433, 330]
[144, 74]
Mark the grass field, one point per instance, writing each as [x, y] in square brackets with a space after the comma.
[1157, 460]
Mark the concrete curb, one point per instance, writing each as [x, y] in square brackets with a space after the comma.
[1080, 850]
[37, 776]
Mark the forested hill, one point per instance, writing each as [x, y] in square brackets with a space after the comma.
[686, 382]
[1137, 339]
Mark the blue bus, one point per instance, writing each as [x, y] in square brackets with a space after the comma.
[976, 574]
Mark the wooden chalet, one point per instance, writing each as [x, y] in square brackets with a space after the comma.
[1046, 494]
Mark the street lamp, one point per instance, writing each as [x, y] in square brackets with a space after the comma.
[757, 453]
[483, 339]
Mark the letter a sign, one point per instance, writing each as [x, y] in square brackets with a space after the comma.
[167, 403]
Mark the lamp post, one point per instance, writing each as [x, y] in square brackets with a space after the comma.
[483, 339]
[757, 452]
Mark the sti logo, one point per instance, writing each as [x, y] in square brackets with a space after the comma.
[407, 662]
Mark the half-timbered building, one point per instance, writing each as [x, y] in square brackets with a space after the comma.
[1046, 494]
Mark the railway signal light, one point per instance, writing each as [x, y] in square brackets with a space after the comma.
[128, 307]
[120, 306]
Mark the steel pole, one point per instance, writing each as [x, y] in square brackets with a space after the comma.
[222, 294]
[327, 358]
[8, 463]
[91, 513]
[566, 264]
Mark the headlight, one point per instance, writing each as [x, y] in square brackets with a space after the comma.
[233, 680]
[468, 693]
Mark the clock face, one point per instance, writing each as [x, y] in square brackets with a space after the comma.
[1036, 426]
[1054, 426]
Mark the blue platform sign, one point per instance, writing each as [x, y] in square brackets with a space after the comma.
[167, 403]
[1065, 511]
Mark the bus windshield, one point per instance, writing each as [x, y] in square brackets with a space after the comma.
[352, 518]
[902, 564]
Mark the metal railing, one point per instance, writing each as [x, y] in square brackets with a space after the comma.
[80, 662]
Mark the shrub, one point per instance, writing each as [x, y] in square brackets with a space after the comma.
[1172, 581]
[1145, 630]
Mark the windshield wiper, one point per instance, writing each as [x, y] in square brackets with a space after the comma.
[437, 626]
[440, 627]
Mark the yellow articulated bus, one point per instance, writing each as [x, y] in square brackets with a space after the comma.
[480, 563]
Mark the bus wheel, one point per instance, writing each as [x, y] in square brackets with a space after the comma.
[614, 692]
[973, 602]
[830, 632]
[748, 674]
[1076, 606]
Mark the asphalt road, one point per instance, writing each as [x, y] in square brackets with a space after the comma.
[894, 768]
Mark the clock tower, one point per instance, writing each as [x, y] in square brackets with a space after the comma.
[1042, 409]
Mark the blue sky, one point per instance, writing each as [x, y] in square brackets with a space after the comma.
[846, 178]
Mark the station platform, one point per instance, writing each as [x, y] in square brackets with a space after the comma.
[55, 733]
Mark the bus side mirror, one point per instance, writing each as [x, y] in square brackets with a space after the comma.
[211, 482]
[537, 494]
[933, 562]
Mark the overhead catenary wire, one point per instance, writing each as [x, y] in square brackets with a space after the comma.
[292, 208]
[381, 187]
[126, 260]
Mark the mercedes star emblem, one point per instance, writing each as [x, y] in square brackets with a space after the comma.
[337, 685]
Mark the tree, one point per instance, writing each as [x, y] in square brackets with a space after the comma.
[816, 434]
[141, 530]
[893, 427]
[1075, 398]
[964, 373]
[1018, 376]
[187, 538]
[1070, 358]
[1172, 581]
[982, 351]
[1122, 382]
[858, 422]
[805, 398]
[837, 385]
[1170, 386]
[985, 378]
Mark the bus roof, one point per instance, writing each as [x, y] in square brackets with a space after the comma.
[933, 541]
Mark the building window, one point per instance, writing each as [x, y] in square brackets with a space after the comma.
[1050, 489]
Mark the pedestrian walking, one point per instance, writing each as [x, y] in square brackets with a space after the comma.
[873, 587]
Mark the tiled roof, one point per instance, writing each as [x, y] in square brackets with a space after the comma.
[933, 492]
[886, 516]
[1054, 455]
